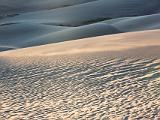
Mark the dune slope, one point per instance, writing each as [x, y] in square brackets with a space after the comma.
[9, 7]
[96, 10]
[117, 78]
[111, 43]
[17, 34]
[53, 21]
[90, 86]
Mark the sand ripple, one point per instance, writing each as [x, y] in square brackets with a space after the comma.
[79, 88]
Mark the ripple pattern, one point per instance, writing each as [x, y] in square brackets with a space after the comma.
[79, 88]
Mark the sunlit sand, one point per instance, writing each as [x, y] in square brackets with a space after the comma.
[80, 60]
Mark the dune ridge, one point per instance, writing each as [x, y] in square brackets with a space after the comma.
[76, 19]
[9, 8]
[111, 43]
[28, 34]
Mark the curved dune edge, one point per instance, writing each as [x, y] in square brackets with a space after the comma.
[132, 43]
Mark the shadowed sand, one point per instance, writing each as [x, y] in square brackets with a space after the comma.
[133, 43]
[30, 23]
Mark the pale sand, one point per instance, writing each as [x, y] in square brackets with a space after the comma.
[92, 87]
[142, 43]
[83, 80]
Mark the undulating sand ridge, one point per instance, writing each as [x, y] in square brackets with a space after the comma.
[27, 34]
[30, 23]
[136, 41]
[9, 8]
[99, 9]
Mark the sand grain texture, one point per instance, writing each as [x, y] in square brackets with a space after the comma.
[117, 78]
[92, 86]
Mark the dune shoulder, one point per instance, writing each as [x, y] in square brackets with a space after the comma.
[132, 43]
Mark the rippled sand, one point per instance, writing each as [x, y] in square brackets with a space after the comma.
[82, 87]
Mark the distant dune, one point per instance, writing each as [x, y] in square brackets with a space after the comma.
[10, 7]
[138, 42]
[52, 21]
[20, 35]
[100, 9]
[138, 23]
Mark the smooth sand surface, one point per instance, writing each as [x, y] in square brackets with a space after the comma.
[51, 21]
[99, 9]
[28, 34]
[139, 42]
[10, 7]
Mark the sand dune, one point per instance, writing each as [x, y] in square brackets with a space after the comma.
[33, 34]
[78, 87]
[27, 34]
[127, 24]
[3, 47]
[17, 34]
[111, 43]
[10, 7]
[107, 77]
[53, 21]
[62, 68]
[79, 14]
[72, 34]
[30, 34]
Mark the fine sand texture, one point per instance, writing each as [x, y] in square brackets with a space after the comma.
[114, 77]
[80, 87]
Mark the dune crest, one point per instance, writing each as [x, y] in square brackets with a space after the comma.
[119, 42]
[30, 23]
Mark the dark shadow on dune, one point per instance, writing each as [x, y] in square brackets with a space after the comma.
[5, 24]
[6, 48]
[82, 19]
[82, 23]
[63, 6]
[11, 8]
[8, 16]
[74, 33]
